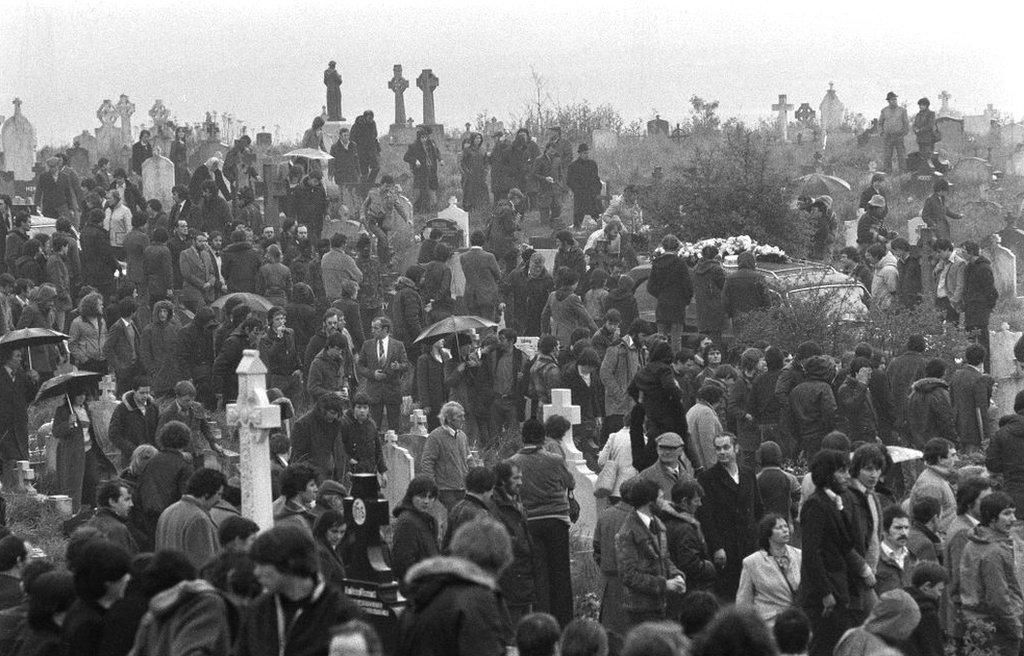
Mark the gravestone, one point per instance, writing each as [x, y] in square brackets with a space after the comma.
[831, 109]
[414, 440]
[369, 581]
[19, 144]
[158, 179]
[427, 82]
[945, 109]
[850, 233]
[561, 404]
[605, 139]
[977, 125]
[206, 150]
[782, 121]
[87, 142]
[804, 114]
[401, 468]
[162, 133]
[255, 417]
[914, 227]
[459, 217]
[951, 130]
[658, 127]
[125, 108]
[102, 409]
[1005, 369]
[1004, 267]
[398, 85]
[108, 135]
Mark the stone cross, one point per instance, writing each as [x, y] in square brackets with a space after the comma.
[401, 468]
[427, 82]
[783, 108]
[125, 108]
[561, 404]
[418, 419]
[107, 388]
[398, 84]
[944, 96]
[255, 416]
[18, 140]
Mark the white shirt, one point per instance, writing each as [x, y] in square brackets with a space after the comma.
[898, 555]
[382, 343]
[645, 518]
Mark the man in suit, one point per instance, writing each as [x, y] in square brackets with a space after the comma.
[198, 273]
[178, 242]
[970, 389]
[382, 364]
[482, 277]
[17, 389]
[181, 208]
[141, 151]
[122, 348]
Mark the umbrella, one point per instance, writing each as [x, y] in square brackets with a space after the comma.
[27, 337]
[63, 383]
[815, 184]
[310, 153]
[254, 301]
[456, 324]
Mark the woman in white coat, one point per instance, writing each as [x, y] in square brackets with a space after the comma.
[770, 578]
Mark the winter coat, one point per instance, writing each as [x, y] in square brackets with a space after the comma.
[317, 442]
[970, 393]
[188, 618]
[86, 339]
[534, 301]
[482, 276]
[829, 561]
[745, 290]
[195, 416]
[187, 527]
[362, 444]
[159, 270]
[889, 575]
[620, 365]
[729, 517]
[465, 510]
[573, 259]
[644, 565]
[930, 412]
[406, 312]
[345, 165]
[159, 350]
[240, 266]
[655, 388]
[280, 354]
[501, 231]
[563, 314]
[163, 482]
[928, 637]
[422, 158]
[688, 549]
[885, 283]
[444, 458]
[296, 515]
[979, 293]
[670, 284]
[909, 288]
[1005, 456]
[708, 283]
[195, 351]
[621, 298]
[263, 631]
[813, 404]
[890, 623]
[455, 608]
[114, 529]
[989, 588]
[934, 482]
[131, 426]
[856, 412]
[415, 540]
[57, 275]
[765, 586]
[275, 283]
[517, 580]
[226, 362]
[546, 482]
[432, 390]
[902, 373]
[436, 288]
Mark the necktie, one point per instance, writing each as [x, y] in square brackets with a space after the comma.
[380, 350]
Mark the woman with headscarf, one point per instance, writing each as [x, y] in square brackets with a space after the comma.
[522, 153]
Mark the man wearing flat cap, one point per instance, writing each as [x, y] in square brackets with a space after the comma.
[894, 125]
[672, 465]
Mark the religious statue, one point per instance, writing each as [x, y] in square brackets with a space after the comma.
[107, 114]
[332, 80]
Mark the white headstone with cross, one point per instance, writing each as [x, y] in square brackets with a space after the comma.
[102, 409]
[458, 216]
[255, 417]
[561, 404]
[783, 108]
[914, 227]
[401, 469]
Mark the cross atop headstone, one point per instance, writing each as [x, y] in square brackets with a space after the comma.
[418, 419]
[944, 96]
[255, 416]
[17, 105]
[783, 108]
[427, 82]
[805, 114]
[398, 85]
[561, 404]
[125, 108]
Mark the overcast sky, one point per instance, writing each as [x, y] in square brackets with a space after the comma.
[263, 62]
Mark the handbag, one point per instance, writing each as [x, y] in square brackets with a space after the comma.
[574, 508]
[606, 478]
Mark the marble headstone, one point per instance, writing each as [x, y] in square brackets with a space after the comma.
[561, 404]
[19, 144]
[158, 179]
[458, 216]
[401, 469]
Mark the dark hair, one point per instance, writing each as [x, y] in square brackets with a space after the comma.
[165, 569]
[699, 608]
[992, 505]
[892, 513]
[205, 482]
[974, 354]
[233, 527]
[325, 522]
[503, 472]
[970, 247]
[837, 441]
[12, 551]
[710, 394]
[916, 343]
[508, 334]
[851, 253]
[935, 368]
[900, 244]
[547, 344]
[532, 431]
[50, 593]
[338, 240]
[419, 486]
[479, 480]
[928, 571]
[824, 465]
[583, 637]
[289, 549]
[556, 426]
[774, 357]
[709, 252]
[477, 238]
[484, 542]
[684, 489]
[765, 527]
[566, 277]
[858, 363]
[935, 449]
[336, 340]
[968, 491]
[295, 478]
[877, 251]
[769, 454]
[866, 455]
[792, 630]
[109, 491]
[435, 234]
[100, 562]
[537, 634]
[174, 435]
[925, 509]
[126, 307]
[644, 491]
[735, 631]
[251, 323]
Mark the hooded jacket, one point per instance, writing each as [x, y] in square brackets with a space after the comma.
[930, 412]
[890, 622]
[669, 282]
[415, 540]
[656, 389]
[708, 283]
[326, 375]
[989, 588]
[406, 311]
[885, 283]
[188, 618]
[159, 349]
[812, 402]
[455, 607]
[1005, 455]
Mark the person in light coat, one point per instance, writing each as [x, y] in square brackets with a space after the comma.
[770, 578]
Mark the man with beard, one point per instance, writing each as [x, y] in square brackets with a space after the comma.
[517, 581]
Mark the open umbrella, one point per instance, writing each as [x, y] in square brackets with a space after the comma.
[62, 384]
[452, 325]
[816, 184]
[254, 301]
[28, 337]
[310, 153]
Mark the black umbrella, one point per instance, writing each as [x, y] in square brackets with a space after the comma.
[28, 337]
[64, 384]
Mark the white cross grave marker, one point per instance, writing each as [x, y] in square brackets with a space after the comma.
[561, 404]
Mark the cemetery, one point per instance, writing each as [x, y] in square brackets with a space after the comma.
[798, 212]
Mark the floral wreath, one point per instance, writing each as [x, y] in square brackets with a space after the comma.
[730, 246]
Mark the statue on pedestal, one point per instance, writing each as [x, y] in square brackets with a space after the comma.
[332, 80]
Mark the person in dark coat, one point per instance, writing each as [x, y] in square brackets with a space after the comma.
[407, 314]
[585, 184]
[927, 583]
[18, 235]
[158, 350]
[570, 256]
[670, 284]
[329, 531]
[100, 575]
[81, 463]
[909, 286]
[17, 388]
[1005, 454]
[165, 477]
[970, 391]
[686, 543]
[979, 297]
[246, 336]
[195, 354]
[286, 562]
[473, 164]
[856, 412]
[935, 213]
[414, 529]
[872, 190]
[316, 438]
[708, 283]
[431, 382]
[436, 284]
[930, 409]
[427, 246]
[813, 405]
[364, 135]
[134, 420]
[729, 513]
[213, 213]
[455, 603]
[746, 289]
[240, 264]
[537, 288]
[501, 233]
[830, 566]
[422, 157]
[361, 440]
[345, 168]
[517, 581]
[902, 373]
[655, 388]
